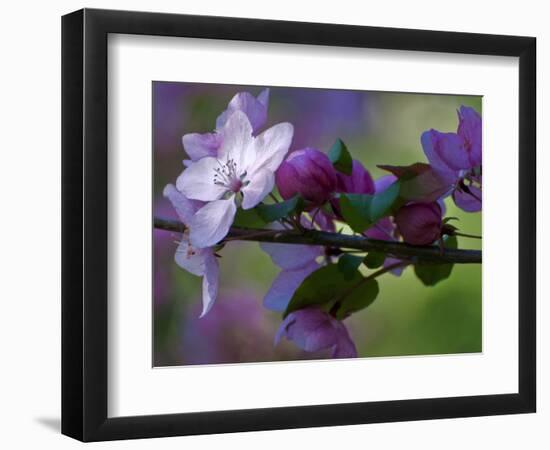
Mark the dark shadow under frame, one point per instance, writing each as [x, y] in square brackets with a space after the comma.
[84, 224]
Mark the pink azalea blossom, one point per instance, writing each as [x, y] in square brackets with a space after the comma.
[312, 330]
[456, 158]
[199, 145]
[201, 262]
[244, 169]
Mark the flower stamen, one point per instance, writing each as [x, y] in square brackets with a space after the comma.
[226, 176]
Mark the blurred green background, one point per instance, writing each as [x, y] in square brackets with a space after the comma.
[407, 318]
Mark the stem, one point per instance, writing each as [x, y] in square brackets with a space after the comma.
[275, 199]
[251, 236]
[473, 236]
[383, 270]
[314, 216]
[399, 250]
[372, 276]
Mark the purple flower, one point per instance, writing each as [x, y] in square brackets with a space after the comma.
[456, 158]
[297, 262]
[255, 109]
[245, 165]
[201, 262]
[199, 145]
[312, 329]
[307, 172]
[419, 223]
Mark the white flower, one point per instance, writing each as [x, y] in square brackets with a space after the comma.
[201, 262]
[199, 145]
[245, 165]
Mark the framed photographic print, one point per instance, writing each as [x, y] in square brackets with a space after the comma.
[274, 224]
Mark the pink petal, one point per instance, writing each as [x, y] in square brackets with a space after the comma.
[359, 182]
[211, 223]
[448, 151]
[285, 284]
[281, 332]
[260, 185]
[468, 202]
[398, 270]
[345, 347]
[198, 145]
[469, 127]
[310, 329]
[254, 108]
[272, 146]
[288, 182]
[189, 258]
[324, 220]
[263, 97]
[291, 256]
[237, 141]
[431, 144]
[383, 230]
[197, 181]
[184, 207]
[383, 183]
[210, 281]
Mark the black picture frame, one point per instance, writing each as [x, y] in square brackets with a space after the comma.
[84, 224]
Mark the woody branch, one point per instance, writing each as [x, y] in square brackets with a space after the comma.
[400, 250]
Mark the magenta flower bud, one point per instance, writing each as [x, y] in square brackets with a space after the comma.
[312, 330]
[359, 182]
[307, 172]
[419, 223]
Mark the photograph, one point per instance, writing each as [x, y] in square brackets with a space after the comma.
[296, 223]
[260, 225]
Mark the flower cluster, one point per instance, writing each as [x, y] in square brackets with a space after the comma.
[241, 165]
[456, 159]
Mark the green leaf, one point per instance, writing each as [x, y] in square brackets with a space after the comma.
[359, 298]
[340, 157]
[248, 218]
[349, 264]
[373, 260]
[355, 210]
[431, 274]
[275, 211]
[382, 203]
[323, 287]
[362, 210]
